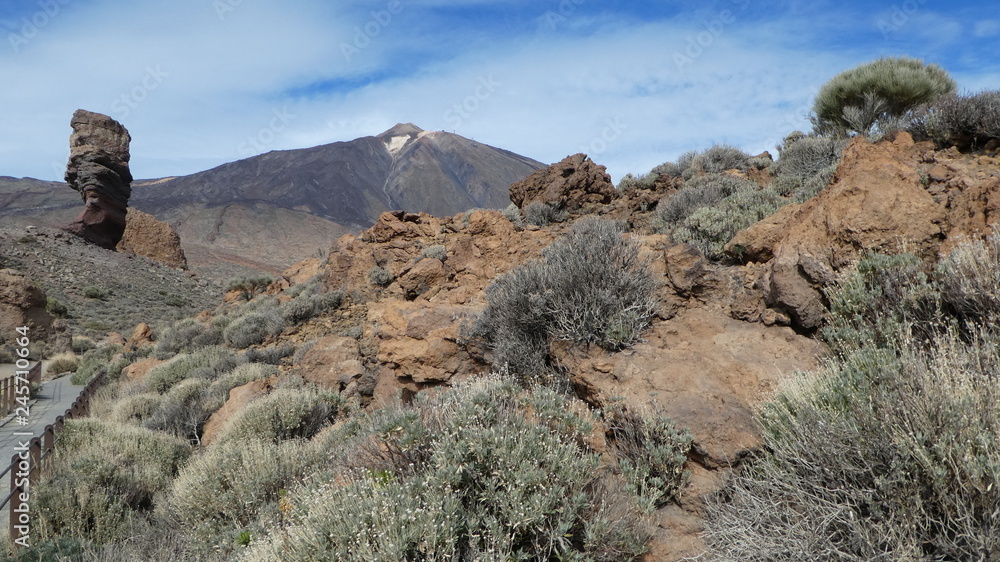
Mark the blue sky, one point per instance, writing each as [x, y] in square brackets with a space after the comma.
[633, 84]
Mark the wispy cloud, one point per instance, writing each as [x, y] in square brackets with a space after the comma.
[202, 83]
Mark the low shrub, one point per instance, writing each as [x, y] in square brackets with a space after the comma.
[879, 297]
[248, 287]
[96, 293]
[105, 479]
[82, 344]
[182, 411]
[207, 363]
[62, 363]
[513, 214]
[55, 307]
[218, 391]
[235, 486]
[436, 251]
[591, 286]
[651, 452]
[186, 335]
[308, 305]
[94, 362]
[466, 474]
[380, 276]
[965, 121]
[704, 191]
[807, 156]
[879, 457]
[270, 355]
[136, 408]
[285, 413]
[718, 159]
[541, 214]
[710, 228]
[253, 328]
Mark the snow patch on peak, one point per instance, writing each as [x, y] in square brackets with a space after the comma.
[395, 144]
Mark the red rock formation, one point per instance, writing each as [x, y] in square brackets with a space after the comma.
[22, 304]
[151, 238]
[573, 183]
[98, 169]
[886, 197]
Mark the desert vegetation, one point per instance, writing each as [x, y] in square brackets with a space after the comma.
[890, 452]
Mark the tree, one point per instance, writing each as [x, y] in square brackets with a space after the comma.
[874, 96]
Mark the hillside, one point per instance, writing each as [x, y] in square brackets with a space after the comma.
[265, 212]
[353, 396]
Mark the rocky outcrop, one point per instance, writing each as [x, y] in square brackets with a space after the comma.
[146, 236]
[886, 197]
[22, 304]
[98, 169]
[239, 397]
[575, 182]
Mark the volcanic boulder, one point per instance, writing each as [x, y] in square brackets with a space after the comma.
[144, 235]
[574, 182]
[98, 169]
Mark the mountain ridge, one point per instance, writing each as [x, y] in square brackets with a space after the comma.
[268, 211]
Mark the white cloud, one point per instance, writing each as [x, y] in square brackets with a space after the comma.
[986, 28]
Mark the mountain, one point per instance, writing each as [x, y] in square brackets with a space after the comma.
[271, 210]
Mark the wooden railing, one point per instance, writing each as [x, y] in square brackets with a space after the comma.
[28, 466]
[9, 385]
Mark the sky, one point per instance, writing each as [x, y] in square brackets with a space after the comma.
[633, 84]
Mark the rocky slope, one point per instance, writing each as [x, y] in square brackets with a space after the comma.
[724, 337]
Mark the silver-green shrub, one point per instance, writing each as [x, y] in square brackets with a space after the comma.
[234, 486]
[591, 286]
[105, 480]
[484, 482]
[253, 328]
[704, 191]
[710, 228]
[891, 452]
[207, 363]
[285, 413]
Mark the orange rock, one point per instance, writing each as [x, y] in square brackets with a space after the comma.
[239, 397]
[137, 371]
[146, 236]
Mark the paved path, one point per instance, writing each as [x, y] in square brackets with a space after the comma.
[52, 401]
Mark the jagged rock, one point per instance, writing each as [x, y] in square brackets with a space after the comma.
[332, 362]
[573, 183]
[142, 336]
[876, 203]
[146, 236]
[429, 272]
[98, 169]
[22, 303]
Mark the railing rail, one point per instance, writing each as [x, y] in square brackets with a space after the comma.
[25, 471]
[8, 388]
